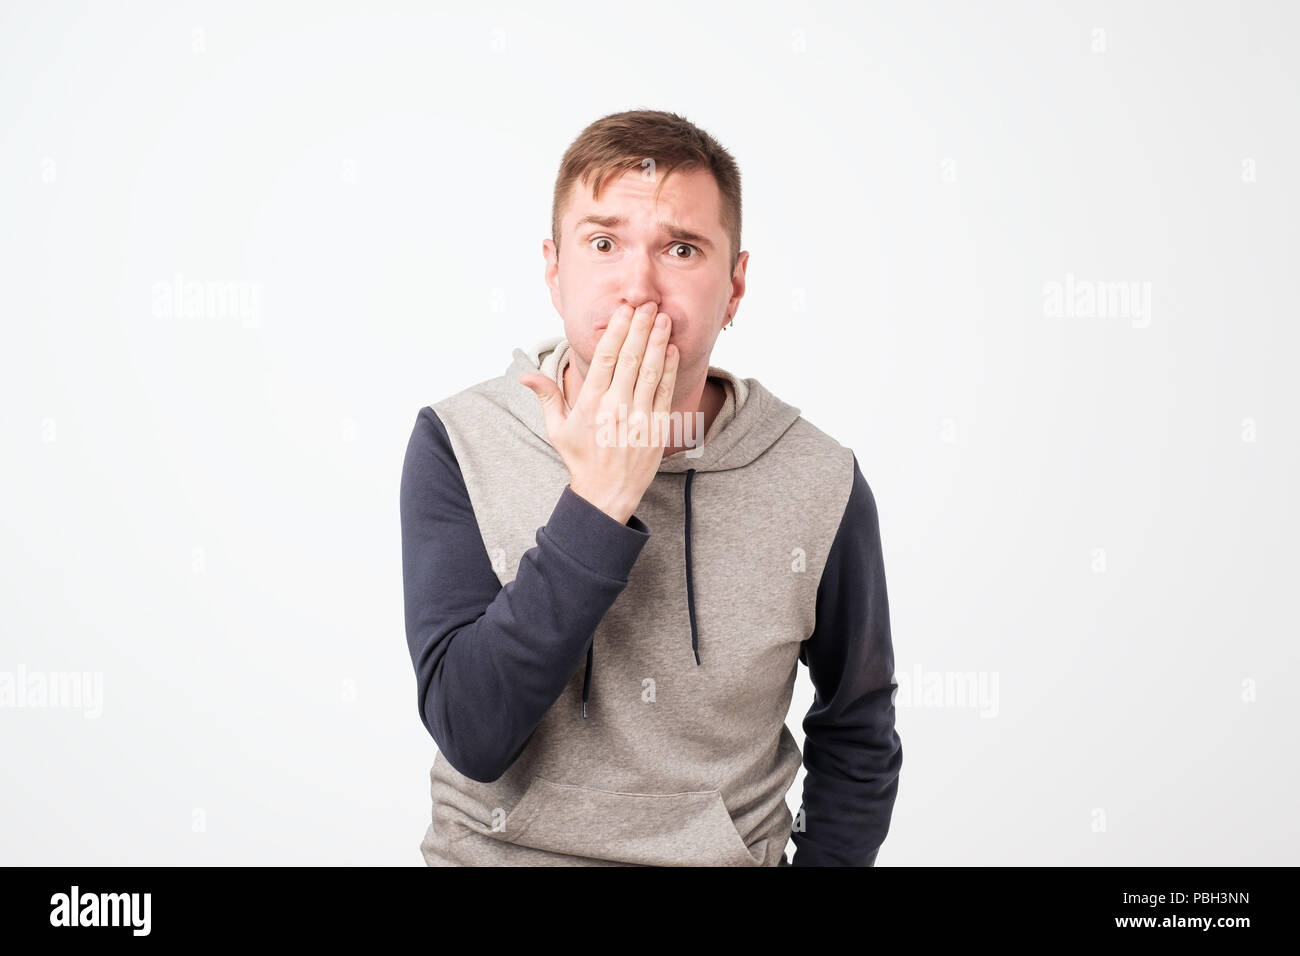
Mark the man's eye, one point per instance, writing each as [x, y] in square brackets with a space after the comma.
[601, 239]
[685, 245]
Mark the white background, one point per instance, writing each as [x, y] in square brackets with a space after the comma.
[1096, 511]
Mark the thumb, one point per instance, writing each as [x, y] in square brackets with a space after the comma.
[548, 393]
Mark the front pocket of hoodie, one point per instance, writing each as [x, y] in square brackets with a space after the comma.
[646, 829]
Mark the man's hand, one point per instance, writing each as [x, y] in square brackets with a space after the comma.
[631, 381]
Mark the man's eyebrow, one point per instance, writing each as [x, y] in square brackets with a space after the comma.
[614, 222]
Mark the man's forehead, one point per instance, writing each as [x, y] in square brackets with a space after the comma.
[643, 183]
[671, 205]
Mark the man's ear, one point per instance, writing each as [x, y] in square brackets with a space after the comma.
[552, 276]
[737, 284]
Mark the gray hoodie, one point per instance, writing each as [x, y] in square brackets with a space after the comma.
[611, 694]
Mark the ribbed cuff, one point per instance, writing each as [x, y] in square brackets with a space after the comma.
[593, 538]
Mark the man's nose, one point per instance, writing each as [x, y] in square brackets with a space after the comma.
[640, 279]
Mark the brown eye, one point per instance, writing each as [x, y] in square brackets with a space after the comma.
[684, 245]
[601, 239]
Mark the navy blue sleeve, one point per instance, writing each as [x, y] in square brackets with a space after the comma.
[852, 752]
[490, 660]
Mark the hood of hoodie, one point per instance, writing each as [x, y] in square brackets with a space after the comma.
[750, 421]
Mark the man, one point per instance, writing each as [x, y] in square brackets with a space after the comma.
[606, 623]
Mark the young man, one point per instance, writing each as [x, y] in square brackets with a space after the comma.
[606, 624]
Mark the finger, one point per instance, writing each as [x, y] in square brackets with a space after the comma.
[664, 393]
[652, 365]
[605, 358]
[548, 393]
[630, 355]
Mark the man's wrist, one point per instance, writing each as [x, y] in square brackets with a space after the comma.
[616, 510]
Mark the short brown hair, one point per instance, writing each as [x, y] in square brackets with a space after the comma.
[620, 142]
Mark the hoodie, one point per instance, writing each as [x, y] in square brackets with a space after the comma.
[612, 694]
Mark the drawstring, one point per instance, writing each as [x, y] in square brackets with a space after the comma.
[690, 583]
[690, 602]
[586, 678]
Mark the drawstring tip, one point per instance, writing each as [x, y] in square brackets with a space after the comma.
[584, 708]
[697, 654]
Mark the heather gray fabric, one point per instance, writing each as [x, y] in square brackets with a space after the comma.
[677, 763]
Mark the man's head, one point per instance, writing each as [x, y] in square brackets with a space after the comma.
[647, 208]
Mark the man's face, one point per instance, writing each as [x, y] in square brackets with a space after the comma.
[630, 248]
